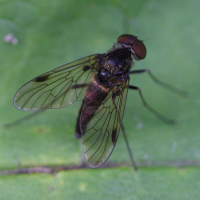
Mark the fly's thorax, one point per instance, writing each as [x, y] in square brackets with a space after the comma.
[116, 62]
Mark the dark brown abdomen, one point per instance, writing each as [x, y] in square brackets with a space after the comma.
[95, 95]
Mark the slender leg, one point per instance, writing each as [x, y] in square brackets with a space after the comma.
[165, 85]
[125, 138]
[129, 149]
[19, 121]
[158, 115]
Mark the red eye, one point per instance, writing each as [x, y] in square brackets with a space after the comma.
[137, 45]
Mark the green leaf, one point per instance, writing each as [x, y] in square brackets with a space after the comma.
[52, 33]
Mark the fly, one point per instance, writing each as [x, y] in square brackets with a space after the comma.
[101, 82]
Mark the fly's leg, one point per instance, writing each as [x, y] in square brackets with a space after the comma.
[21, 120]
[129, 149]
[164, 85]
[117, 93]
[158, 115]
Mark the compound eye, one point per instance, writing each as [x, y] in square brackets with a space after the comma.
[139, 49]
[137, 45]
[126, 39]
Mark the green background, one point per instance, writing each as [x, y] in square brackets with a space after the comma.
[54, 32]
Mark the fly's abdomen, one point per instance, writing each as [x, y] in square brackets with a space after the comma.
[94, 97]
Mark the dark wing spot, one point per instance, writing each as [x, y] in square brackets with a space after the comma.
[41, 78]
[86, 67]
[117, 93]
[114, 136]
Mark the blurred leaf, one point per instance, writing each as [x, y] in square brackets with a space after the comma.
[52, 33]
[121, 183]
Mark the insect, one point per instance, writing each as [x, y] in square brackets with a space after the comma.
[101, 82]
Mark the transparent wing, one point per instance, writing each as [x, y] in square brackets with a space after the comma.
[101, 134]
[57, 88]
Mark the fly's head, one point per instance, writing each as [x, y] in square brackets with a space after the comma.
[136, 46]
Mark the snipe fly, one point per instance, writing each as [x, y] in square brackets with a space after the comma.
[101, 82]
